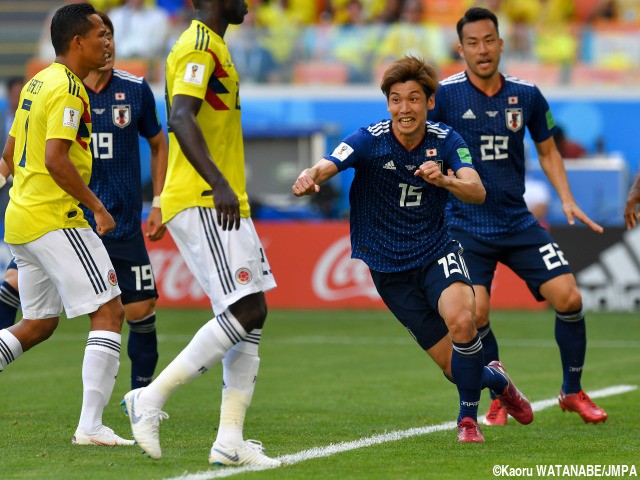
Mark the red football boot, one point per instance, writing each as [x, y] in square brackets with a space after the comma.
[512, 399]
[583, 406]
[469, 431]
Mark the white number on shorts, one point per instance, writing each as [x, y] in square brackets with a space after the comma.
[143, 274]
[552, 252]
[453, 264]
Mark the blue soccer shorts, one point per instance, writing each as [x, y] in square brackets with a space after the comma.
[131, 262]
[412, 295]
[532, 254]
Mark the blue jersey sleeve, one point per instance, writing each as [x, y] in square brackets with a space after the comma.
[351, 150]
[149, 125]
[541, 124]
[456, 153]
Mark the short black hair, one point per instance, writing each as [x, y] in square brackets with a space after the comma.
[476, 14]
[69, 21]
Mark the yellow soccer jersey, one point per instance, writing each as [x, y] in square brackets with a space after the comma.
[200, 66]
[53, 104]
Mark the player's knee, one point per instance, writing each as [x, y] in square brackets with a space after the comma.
[139, 310]
[461, 325]
[250, 311]
[109, 316]
[32, 332]
[482, 318]
[570, 301]
[11, 277]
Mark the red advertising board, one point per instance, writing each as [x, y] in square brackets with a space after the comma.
[313, 267]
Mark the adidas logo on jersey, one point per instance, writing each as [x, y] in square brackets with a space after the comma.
[389, 165]
[469, 115]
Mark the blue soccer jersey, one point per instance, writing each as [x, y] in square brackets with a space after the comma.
[494, 129]
[398, 219]
[122, 110]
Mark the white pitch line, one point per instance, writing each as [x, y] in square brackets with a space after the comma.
[318, 452]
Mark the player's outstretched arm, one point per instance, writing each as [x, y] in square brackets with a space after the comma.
[66, 175]
[553, 167]
[631, 213]
[309, 180]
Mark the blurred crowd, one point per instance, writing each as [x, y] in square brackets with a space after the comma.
[340, 41]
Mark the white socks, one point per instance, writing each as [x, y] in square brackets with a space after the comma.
[10, 348]
[240, 370]
[99, 372]
[208, 346]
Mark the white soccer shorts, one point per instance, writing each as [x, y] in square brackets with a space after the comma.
[228, 264]
[67, 267]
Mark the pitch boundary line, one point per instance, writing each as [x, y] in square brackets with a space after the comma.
[332, 449]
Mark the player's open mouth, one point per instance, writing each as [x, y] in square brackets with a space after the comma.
[406, 121]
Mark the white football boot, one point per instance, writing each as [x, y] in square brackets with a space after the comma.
[249, 452]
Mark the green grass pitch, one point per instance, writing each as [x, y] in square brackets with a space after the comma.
[326, 378]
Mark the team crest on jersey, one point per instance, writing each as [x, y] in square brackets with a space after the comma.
[121, 115]
[514, 118]
[243, 276]
[113, 279]
[440, 164]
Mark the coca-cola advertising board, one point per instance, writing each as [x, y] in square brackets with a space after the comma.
[312, 264]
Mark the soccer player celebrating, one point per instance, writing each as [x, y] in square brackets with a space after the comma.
[490, 111]
[61, 261]
[205, 208]
[123, 106]
[398, 228]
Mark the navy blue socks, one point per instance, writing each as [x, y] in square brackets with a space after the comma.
[467, 364]
[142, 348]
[571, 336]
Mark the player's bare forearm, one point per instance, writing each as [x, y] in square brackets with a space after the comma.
[66, 175]
[184, 125]
[7, 156]
[468, 191]
[553, 167]
[310, 179]
[465, 185]
[159, 160]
